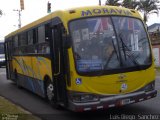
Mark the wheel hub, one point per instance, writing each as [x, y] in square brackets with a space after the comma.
[50, 90]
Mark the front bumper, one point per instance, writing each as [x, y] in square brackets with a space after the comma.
[113, 101]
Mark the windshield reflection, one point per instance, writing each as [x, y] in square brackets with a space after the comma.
[108, 43]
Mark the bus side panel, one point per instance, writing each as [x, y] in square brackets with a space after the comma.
[31, 72]
[41, 67]
[32, 84]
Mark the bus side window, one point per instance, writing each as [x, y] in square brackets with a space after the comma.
[35, 39]
[43, 39]
[30, 37]
[47, 33]
[23, 39]
[23, 43]
[41, 34]
[15, 41]
[30, 48]
[35, 36]
[47, 39]
[15, 45]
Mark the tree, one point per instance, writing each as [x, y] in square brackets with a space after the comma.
[112, 2]
[132, 4]
[148, 7]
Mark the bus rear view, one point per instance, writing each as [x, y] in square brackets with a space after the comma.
[113, 60]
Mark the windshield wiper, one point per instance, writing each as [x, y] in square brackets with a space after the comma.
[109, 58]
[130, 56]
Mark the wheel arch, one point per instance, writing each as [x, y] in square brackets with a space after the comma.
[46, 79]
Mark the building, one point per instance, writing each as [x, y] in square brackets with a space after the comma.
[154, 33]
[154, 27]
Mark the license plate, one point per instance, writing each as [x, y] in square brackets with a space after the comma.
[125, 101]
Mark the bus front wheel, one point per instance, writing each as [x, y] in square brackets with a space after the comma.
[50, 93]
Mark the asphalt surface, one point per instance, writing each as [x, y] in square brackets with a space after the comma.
[42, 109]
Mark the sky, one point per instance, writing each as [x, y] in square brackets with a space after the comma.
[35, 9]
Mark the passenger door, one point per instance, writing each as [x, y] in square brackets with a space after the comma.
[57, 56]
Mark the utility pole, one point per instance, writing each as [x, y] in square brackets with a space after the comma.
[99, 2]
[19, 14]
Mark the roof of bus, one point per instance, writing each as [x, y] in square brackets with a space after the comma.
[80, 12]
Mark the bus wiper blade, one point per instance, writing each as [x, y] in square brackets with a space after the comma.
[106, 64]
[109, 58]
[130, 56]
[123, 47]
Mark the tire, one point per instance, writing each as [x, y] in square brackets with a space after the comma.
[50, 94]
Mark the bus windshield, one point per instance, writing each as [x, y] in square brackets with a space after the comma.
[109, 43]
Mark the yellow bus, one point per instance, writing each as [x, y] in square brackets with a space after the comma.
[85, 58]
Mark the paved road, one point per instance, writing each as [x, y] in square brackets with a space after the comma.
[41, 108]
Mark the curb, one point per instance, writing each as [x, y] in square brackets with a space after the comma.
[15, 116]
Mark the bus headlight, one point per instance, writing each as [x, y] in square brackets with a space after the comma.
[150, 86]
[84, 97]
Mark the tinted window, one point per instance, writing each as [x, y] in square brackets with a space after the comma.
[41, 34]
[47, 32]
[30, 37]
[23, 39]
[15, 39]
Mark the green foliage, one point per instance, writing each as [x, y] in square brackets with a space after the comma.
[147, 7]
[112, 2]
[132, 4]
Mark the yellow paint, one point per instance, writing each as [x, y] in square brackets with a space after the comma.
[109, 85]
[35, 67]
[106, 84]
[66, 16]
